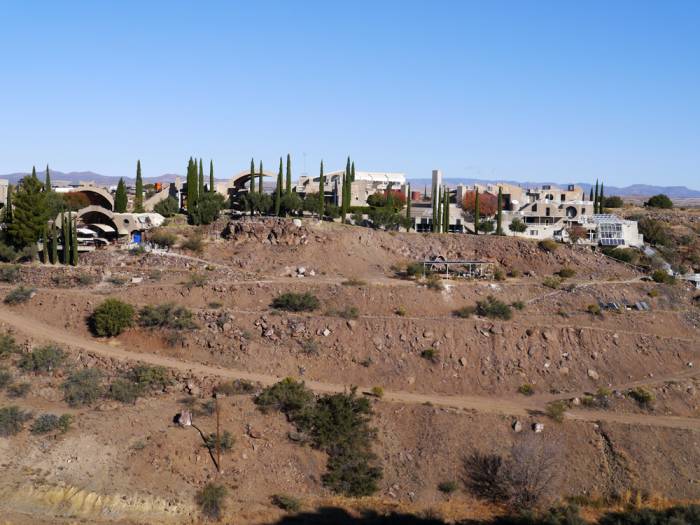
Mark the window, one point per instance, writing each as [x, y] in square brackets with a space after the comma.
[533, 233]
[548, 211]
[534, 207]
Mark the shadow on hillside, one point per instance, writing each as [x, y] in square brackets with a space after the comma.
[338, 516]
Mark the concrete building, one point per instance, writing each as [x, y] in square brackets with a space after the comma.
[366, 183]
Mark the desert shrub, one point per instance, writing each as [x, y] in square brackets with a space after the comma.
[556, 410]
[613, 202]
[493, 309]
[551, 282]
[226, 441]
[167, 207]
[447, 487]
[414, 269]
[655, 232]
[354, 281]
[236, 387]
[548, 245]
[9, 273]
[46, 423]
[19, 295]
[5, 378]
[400, 311]
[215, 305]
[12, 420]
[678, 515]
[193, 243]
[485, 477]
[653, 293]
[518, 305]
[155, 275]
[148, 376]
[84, 279]
[526, 389]
[195, 280]
[499, 275]
[662, 277]
[601, 399]
[162, 238]
[626, 255]
[124, 391]
[430, 354]
[7, 253]
[486, 226]
[566, 272]
[593, 309]
[111, 318]
[377, 391]
[659, 201]
[8, 345]
[166, 315]
[211, 500]
[18, 390]
[83, 387]
[642, 396]
[296, 302]
[285, 502]
[434, 282]
[309, 347]
[43, 359]
[288, 396]
[349, 312]
[517, 225]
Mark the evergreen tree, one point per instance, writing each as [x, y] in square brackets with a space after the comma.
[212, 183]
[595, 198]
[476, 212]
[200, 180]
[288, 187]
[34, 172]
[252, 176]
[260, 180]
[192, 186]
[45, 244]
[344, 199]
[433, 205]
[138, 197]
[65, 238]
[28, 212]
[499, 213]
[54, 242]
[47, 181]
[321, 193]
[73, 240]
[408, 209]
[446, 211]
[352, 172]
[601, 199]
[590, 197]
[278, 190]
[120, 198]
[425, 192]
[8, 207]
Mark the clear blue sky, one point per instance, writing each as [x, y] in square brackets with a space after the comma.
[560, 90]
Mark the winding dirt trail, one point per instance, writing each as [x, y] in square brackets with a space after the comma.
[516, 406]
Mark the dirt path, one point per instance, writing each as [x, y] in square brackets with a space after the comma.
[506, 406]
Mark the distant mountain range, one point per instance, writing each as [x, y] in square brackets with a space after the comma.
[637, 190]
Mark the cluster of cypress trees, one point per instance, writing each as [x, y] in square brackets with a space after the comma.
[346, 191]
[321, 192]
[441, 209]
[598, 198]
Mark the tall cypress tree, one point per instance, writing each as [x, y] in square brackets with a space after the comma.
[200, 180]
[252, 176]
[138, 198]
[595, 198]
[73, 241]
[212, 183]
[288, 187]
[120, 198]
[47, 180]
[260, 180]
[66, 239]
[433, 197]
[192, 186]
[499, 213]
[34, 172]
[408, 208]
[590, 197]
[601, 199]
[8, 207]
[476, 212]
[321, 193]
[54, 242]
[446, 211]
[352, 172]
[278, 190]
[344, 199]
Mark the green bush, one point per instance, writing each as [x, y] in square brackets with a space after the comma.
[526, 389]
[7, 253]
[517, 226]
[434, 282]
[111, 318]
[548, 245]
[447, 487]
[153, 377]
[626, 255]
[9, 273]
[194, 243]
[593, 309]
[430, 354]
[5, 378]
[18, 390]
[552, 282]
[285, 502]
[518, 305]
[493, 309]
[414, 269]
[166, 316]
[613, 202]
[163, 238]
[19, 295]
[499, 275]
[83, 387]
[679, 515]
[196, 280]
[235, 387]
[226, 441]
[12, 420]
[43, 359]
[50, 423]
[642, 396]
[655, 232]
[296, 302]
[211, 500]
[288, 396]
[465, 312]
[566, 272]
[556, 410]
[84, 279]
[662, 277]
[659, 201]
[125, 391]
[349, 312]
[8, 345]
[167, 207]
